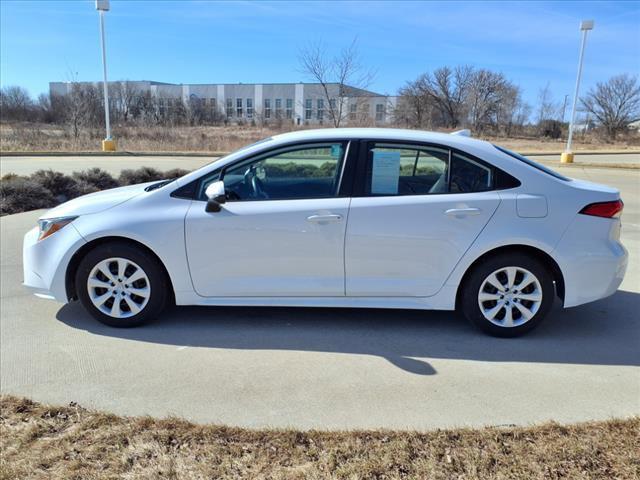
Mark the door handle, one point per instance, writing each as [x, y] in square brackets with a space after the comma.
[462, 212]
[324, 218]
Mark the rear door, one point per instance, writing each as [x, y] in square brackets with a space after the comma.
[418, 210]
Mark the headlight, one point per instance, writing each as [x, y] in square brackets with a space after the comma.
[49, 226]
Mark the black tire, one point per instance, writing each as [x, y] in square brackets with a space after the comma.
[159, 285]
[469, 296]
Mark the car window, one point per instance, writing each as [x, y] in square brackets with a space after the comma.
[468, 175]
[406, 170]
[302, 172]
[533, 164]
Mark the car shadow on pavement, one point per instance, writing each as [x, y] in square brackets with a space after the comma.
[601, 333]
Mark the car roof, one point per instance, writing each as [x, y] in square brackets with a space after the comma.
[396, 134]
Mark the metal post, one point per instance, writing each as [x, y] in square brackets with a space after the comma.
[585, 26]
[104, 71]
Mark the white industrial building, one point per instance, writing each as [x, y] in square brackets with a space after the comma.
[298, 103]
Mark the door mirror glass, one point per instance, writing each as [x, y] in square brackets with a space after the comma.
[215, 196]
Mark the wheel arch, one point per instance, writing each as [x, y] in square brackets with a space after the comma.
[544, 257]
[77, 257]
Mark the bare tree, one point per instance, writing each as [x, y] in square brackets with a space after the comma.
[614, 103]
[448, 90]
[339, 77]
[16, 104]
[548, 109]
[488, 91]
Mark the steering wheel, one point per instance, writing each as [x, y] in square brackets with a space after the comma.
[251, 179]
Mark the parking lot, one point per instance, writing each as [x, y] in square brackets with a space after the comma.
[330, 368]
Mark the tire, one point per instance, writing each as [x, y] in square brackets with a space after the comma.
[526, 295]
[102, 286]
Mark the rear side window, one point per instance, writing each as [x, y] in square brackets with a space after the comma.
[533, 164]
[395, 169]
[468, 175]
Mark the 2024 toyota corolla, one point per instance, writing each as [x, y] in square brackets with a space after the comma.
[339, 218]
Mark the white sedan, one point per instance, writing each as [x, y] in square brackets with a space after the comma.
[378, 218]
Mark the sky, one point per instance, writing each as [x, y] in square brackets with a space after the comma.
[532, 43]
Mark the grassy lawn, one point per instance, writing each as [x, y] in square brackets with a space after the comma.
[42, 441]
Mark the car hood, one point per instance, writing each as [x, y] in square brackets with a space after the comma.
[96, 202]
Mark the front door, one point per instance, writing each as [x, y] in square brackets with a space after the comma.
[421, 209]
[281, 232]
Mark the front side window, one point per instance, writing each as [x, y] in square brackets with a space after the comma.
[303, 172]
[406, 170]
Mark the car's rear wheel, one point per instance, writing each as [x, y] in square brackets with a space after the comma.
[121, 285]
[508, 295]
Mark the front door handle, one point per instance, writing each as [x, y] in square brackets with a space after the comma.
[324, 218]
[462, 212]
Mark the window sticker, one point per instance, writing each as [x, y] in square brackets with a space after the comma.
[336, 150]
[385, 172]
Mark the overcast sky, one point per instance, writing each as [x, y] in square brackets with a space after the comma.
[228, 42]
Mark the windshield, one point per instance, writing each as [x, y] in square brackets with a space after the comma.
[533, 164]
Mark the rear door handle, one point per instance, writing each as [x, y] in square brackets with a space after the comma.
[324, 218]
[462, 212]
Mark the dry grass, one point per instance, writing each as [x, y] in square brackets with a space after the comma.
[40, 441]
[44, 137]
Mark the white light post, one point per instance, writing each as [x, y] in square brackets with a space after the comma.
[108, 145]
[567, 156]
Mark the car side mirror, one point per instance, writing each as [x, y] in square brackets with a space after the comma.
[215, 196]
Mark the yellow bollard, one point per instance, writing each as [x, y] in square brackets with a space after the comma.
[566, 157]
[108, 145]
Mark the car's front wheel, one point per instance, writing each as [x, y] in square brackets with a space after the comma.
[508, 295]
[121, 285]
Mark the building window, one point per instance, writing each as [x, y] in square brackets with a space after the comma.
[289, 108]
[249, 107]
[353, 111]
[229, 107]
[320, 109]
[308, 109]
[379, 112]
[267, 108]
[278, 108]
[332, 105]
[239, 107]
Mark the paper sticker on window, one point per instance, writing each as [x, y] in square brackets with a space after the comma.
[385, 172]
[336, 150]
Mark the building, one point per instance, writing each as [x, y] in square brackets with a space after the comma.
[298, 103]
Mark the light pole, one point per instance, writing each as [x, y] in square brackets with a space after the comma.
[108, 144]
[567, 155]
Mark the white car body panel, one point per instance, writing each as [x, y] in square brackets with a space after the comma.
[279, 248]
[380, 254]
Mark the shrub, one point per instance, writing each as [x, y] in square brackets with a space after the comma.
[141, 175]
[97, 177]
[175, 173]
[63, 187]
[22, 194]
[551, 129]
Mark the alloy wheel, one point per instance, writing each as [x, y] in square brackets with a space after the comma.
[118, 287]
[510, 296]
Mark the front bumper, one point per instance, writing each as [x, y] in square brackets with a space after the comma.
[45, 262]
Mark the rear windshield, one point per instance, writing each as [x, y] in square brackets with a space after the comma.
[536, 165]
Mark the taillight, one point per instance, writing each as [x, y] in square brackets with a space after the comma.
[604, 209]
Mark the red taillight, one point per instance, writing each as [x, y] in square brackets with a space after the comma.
[604, 209]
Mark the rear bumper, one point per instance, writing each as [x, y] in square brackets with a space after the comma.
[592, 259]
[45, 262]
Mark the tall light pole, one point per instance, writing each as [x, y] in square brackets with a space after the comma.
[108, 144]
[567, 155]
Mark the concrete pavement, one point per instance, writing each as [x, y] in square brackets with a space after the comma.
[26, 165]
[329, 368]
